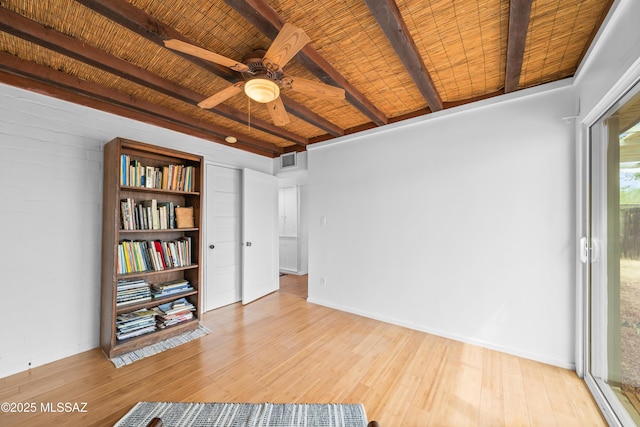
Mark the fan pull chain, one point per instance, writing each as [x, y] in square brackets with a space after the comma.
[249, 108]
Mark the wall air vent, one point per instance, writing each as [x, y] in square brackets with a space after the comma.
[288, 160]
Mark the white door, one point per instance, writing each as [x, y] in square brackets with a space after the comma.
[222, 242]
[260, 235]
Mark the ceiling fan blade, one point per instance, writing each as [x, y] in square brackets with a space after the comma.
[289, 41]
[278, 112]
[221, 96]
[316, 89]
[199, 52]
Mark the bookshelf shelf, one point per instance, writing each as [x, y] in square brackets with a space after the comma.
[148, 339]
[158, 190]
[160, 231]
[155, 302]
[156, 272]
[144, 249]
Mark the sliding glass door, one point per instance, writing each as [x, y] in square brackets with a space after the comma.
[612, 256]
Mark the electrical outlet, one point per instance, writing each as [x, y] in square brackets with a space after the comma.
[323, 281]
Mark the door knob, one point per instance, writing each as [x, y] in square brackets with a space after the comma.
[212, 246]
[248, 243]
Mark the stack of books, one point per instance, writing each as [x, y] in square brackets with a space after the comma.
[132, 291]
[160, 290]
[135, 323]
[174, 312]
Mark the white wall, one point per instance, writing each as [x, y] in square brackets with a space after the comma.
[459, 224]
[50, 220]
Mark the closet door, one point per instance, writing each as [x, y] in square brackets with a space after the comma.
[223, 238]
[260, 235]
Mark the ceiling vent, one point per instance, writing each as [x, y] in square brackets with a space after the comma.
[288, 160]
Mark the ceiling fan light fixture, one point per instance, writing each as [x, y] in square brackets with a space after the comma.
[262, 90]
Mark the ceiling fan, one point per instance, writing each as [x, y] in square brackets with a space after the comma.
[263, 73]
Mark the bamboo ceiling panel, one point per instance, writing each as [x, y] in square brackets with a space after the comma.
[558, 37]
[461, 44]
[347, 35]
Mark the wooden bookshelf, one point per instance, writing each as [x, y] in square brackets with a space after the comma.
[187, 193]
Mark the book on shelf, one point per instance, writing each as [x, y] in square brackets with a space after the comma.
[149, 176]
[135, 323]
[130, 284]
[178, 283]
[136, 332]
[167, 215]
[152, 214]
[132, 292]
[170, 177]
[135, 256]
[143, 313]
[124, 168]
[133, 300]
[134, 174]
[147, 214]
[174, 312]
[178, 306]
[127, 214]
[161, 290]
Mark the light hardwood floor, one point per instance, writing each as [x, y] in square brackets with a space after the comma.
[295, 285]
[283, 349]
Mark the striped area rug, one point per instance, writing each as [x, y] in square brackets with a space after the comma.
[159, 347]
[180, 414]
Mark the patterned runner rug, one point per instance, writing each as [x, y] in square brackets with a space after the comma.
[179, 414]
[159, 347]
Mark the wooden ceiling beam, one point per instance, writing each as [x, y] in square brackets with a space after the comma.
[264, 18]
[311, 117]
[127, 15]
[519, 15]
[44, 80]
[395, 28]
[34, 32]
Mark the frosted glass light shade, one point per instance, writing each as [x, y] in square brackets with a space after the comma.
[262, 90]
